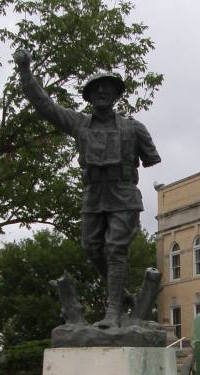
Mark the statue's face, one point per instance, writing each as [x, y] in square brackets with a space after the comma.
[103, 94]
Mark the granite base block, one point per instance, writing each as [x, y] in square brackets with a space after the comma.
[109, 361]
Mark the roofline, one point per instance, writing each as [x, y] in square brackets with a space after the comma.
[179, 181]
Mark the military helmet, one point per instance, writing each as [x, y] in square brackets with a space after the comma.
[117, 80]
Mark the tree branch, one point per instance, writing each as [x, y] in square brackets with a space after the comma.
[5, 107]
[24, 222]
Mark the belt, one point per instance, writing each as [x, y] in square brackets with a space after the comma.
[95, 174]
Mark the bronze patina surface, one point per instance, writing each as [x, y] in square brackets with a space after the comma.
[110, 149]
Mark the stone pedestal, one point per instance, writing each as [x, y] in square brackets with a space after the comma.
[137, 333]
[109, 361]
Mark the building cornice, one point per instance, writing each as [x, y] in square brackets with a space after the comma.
[164, 187]
[178, 210]
[174, 227]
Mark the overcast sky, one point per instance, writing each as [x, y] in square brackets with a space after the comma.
[173, 120]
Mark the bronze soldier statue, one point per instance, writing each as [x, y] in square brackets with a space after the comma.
[110, 147]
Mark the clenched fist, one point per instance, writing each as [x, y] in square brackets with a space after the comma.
[22, 58]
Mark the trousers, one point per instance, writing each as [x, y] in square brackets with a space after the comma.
[109, 234]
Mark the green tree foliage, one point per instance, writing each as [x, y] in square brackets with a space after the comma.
[29, 306]
[68, 40]
[142, 254]
[24, 359]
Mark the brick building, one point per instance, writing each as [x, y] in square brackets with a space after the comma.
[178, 253]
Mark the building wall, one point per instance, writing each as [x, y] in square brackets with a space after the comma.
[179, 194]
[179, 222]
[184, 295]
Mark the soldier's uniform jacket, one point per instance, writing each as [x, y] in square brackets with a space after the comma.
[108, 155]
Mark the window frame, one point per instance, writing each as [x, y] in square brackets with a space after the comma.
[178, 326]
[195, 309]
[196, 247]
[175, 252]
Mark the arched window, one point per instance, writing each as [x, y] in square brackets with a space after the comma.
[175, 262]
[196, 256]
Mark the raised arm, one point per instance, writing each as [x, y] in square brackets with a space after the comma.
[64, 119]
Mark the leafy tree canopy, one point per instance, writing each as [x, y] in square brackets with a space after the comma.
[29, 306]
[69, 40]
[24, 359]
[142, 254]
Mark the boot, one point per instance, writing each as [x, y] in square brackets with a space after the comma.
[101, 267]
[116, 279]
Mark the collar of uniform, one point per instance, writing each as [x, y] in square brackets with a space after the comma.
[109, 116]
